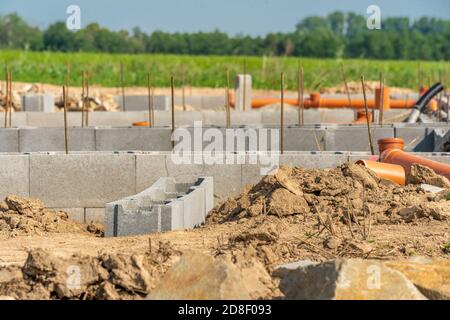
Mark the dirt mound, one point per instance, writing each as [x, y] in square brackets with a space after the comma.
[26, 216]
[422, 174]
[350, 192]
[107, 276]
[325, 214]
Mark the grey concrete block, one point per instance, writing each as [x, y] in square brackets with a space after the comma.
[14, 175]
[96, 215]
[81, 180]
[417, 139]
[319, 160]
[304, 139]
[52, 139]
[128, 139]
[141, 103]
[116, 119]
[354, 138]
[9, 140]
[149, 168]
[43, 102]
[53, 119]
[75, 214]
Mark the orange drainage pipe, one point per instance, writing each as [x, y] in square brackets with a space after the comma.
[316, 101]
[391, 151]
[141, 124]
[361, 117]
[387, 171]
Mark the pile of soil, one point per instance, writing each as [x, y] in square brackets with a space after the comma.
[319, 215]
[105, 277]
[27, 216]
[349, 193]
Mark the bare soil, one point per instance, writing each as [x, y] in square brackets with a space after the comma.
[294, 215]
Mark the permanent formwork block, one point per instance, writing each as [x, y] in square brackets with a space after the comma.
[52, 139]
[140, 102]
[418, 139]
[96, 215]
[354, 138]
[304, 139]
[237, 118]
[134, 138]
[53, 119]
[14, 175]
[165, 206]
[243, 92]
[9, 140]
[116, 119]
[81, 180]
[43, 102]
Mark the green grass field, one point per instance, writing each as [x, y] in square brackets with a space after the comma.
[210, 71]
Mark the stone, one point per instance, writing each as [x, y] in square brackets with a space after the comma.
[198, 276]
[432, 278]
[352, 279]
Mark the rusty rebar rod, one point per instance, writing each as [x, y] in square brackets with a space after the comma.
[172, 91]
[66, 147]
[372, 150]
[282, 113]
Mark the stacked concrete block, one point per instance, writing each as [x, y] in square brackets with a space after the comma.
[243, 92]
[128, 139]
[9, 140]
[140, 103]
[14, 175]
[38, 102]
[354, 138]
[165, 206]
[52, 139]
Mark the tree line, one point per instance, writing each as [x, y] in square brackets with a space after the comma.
[337, 35]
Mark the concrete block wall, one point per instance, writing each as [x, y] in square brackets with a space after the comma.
[165, 206]
[308, 138]
[43, 102]
[82, 183]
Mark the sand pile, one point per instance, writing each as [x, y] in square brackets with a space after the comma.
[26, 216]
[107, 276]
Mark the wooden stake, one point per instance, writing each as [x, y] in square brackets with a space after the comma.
[10, 98]
[65, 118]
[83, 98]
[301, 102]
[183, 91]
[282, 114]
[347, 90]
[244, 92]
[88, 99]
[227, 99]
[381, 99]
[122, 86]
[172, 91]
[367, 112]
[150, 102]
[6, 95]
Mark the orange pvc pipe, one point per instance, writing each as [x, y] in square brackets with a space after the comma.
[391, 151]
[391, 172]
[141, 124]
[315, 101]
[361, 117]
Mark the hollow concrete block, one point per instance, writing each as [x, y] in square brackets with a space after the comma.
[14, 175]
[127, 139]
[9, 140]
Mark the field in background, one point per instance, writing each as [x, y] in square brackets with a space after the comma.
[210, 71]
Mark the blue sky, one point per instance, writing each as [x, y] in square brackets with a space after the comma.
[255, 17]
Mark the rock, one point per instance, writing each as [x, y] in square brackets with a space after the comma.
[4, 298]
[352, 279]
[201, 277]
[431, 189]
[431, 277]
[283, 178]
[284, 203]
